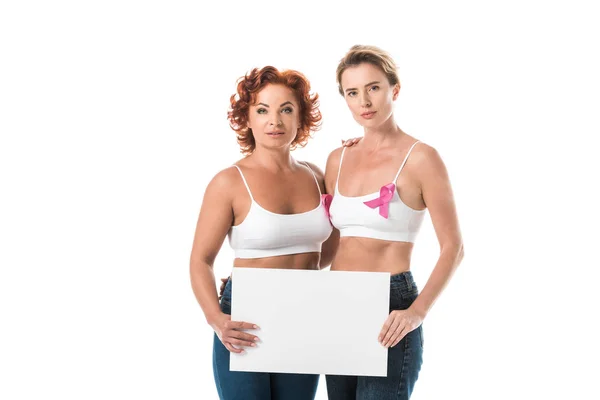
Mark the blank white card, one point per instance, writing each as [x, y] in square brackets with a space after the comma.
[318, 322]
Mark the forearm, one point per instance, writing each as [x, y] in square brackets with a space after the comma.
[450, 258]
[204, 288]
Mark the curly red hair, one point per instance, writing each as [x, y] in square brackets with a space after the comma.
[248, 87]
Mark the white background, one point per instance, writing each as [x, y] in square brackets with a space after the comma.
[113, 120]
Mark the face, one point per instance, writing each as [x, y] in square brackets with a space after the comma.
[275, 117]
[369, 94]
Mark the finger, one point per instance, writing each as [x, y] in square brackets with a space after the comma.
[241, 325]
[243, 336]
[396, 327]
[224, 280]
[399, 337]
[231, 348]
[238, 342]
[386, 326]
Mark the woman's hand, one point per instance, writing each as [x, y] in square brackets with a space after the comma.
[398, 324]
[351, 142]
[232, 333]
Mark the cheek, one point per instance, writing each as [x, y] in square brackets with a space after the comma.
[251, 121]
[291, 119]
[256, 120]
[350, 103]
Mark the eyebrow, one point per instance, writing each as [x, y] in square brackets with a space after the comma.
[368, 84]
[282, 104]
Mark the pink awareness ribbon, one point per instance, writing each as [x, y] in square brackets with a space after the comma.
[385, 196]
[326, 201]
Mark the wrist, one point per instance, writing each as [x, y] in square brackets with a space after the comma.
[212, 318]
[419, 310]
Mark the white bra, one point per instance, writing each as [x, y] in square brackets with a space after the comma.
[381, 215]
[267, 234]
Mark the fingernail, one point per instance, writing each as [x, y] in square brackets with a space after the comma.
[252, 344]
[256, 339]
[255, 326]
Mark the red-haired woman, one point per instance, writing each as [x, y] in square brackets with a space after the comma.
[270, 206]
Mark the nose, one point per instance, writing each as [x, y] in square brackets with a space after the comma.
[275, 121]
[365, 101]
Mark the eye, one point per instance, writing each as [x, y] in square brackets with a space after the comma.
[287, 110]
[261, 111]
[351, 93]
[374, 88]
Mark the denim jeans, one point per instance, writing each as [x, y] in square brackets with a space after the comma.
[404, 359]
[234, 385]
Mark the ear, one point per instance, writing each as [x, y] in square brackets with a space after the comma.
[395, 91]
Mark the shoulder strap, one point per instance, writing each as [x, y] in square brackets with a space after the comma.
[245, 183]
[314, 176]
[339, 169]
[404, 162]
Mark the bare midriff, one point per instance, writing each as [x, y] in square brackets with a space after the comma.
[372, 255]
[308, 261]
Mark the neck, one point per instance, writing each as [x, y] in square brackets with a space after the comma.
[383, 135]
[273, 159]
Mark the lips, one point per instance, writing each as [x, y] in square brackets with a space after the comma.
[278, 133]
[368, 115]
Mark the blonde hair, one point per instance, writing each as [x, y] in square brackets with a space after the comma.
[359, 54]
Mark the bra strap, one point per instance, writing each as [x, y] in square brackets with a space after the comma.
[314, 176]
[245, 183]
[339, 170]
[404, 162]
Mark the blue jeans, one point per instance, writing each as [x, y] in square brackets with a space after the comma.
[404, 359]
[233, 385]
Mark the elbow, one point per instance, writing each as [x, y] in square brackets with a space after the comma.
[454, 251]
[198, 263]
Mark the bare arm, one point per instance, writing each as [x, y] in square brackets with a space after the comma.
[214, 221]
[438, 196]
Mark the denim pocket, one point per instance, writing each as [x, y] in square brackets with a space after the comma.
[409, 294]
[400, 299]
[225, 306]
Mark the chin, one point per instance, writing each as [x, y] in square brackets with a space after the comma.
[371, 123]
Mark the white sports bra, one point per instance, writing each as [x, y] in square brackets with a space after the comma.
[266, 234]
[381, 215]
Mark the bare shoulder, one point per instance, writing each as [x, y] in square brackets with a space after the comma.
[223, 181]
[333, 160]
[318, 172]
[426, 160]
